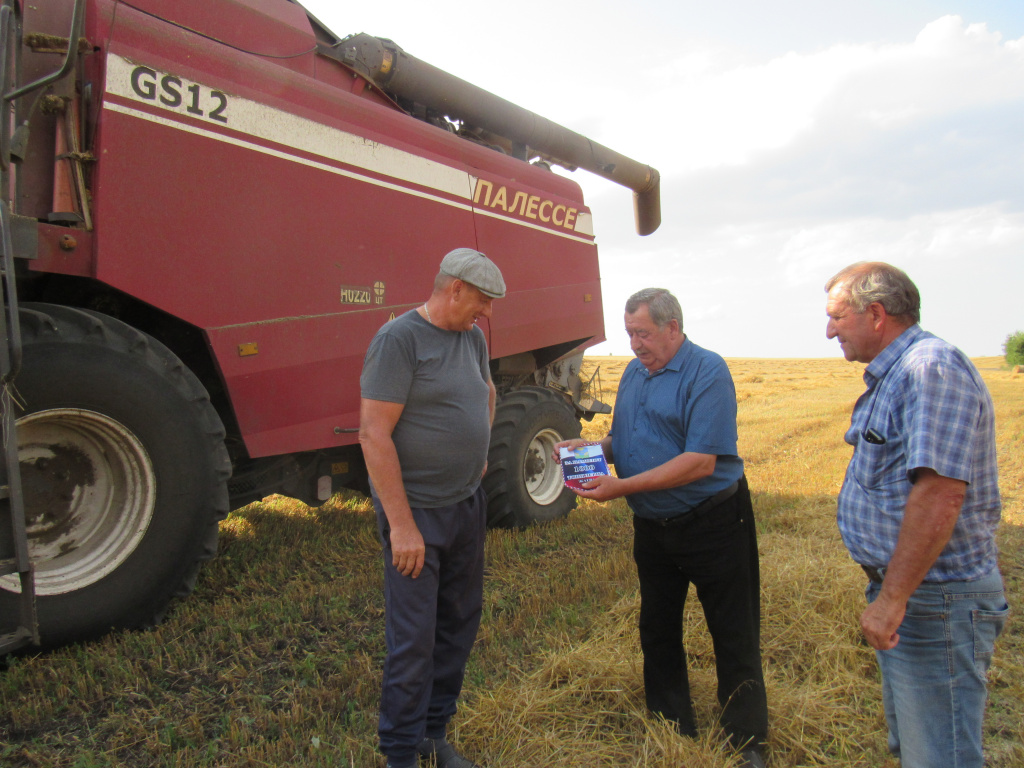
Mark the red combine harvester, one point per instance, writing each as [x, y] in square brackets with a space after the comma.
[208, 209]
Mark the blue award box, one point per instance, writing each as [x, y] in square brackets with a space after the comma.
[583, 463]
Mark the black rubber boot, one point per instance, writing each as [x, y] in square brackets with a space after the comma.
[444, 754]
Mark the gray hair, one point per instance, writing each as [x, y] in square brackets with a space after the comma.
[442, 281]
[662, 306]
[867, 282]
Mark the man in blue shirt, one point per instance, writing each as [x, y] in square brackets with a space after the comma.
[918, 510]
[673, 443]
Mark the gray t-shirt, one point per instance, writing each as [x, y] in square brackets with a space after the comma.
[441, 377]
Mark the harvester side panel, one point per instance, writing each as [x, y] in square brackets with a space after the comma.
[289, 220]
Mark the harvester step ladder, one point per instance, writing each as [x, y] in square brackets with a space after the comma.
[14, 556]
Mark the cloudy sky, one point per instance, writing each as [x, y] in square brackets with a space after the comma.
[792, 138]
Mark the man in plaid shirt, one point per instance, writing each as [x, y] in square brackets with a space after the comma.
[918, 511]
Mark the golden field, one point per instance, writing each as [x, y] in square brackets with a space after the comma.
[275, 660]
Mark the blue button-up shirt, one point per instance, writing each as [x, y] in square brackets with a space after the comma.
[687, 406]
[925, 406]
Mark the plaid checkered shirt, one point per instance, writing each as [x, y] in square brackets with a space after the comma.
[925, 406]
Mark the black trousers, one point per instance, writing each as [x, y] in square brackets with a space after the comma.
[717, 552]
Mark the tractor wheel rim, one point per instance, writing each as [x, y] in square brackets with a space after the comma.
[541, 474]
[90, 491]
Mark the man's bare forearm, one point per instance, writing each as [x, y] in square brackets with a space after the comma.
[932, 509]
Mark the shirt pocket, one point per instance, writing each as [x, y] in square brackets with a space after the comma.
[878, 466]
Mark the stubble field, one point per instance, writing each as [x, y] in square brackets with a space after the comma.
[275, 660]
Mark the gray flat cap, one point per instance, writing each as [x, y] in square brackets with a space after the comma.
[474, 268]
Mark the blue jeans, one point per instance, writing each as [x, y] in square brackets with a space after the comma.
[933, 681]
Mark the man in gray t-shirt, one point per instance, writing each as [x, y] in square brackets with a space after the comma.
[442, 378]
[425, 422]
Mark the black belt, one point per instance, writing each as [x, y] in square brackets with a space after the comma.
[701, 509]
[875, 574]
[878, 574]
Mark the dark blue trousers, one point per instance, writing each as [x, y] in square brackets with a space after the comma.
[430, 623]
[716, 552]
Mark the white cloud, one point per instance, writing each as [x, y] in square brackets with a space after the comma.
[937, 240]
[703, 108]
[948, 68]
